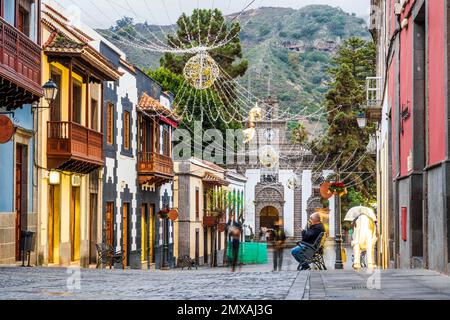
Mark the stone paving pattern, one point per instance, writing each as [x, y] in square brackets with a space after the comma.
[248, 283]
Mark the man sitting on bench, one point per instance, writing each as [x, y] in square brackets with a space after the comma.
[309, 236]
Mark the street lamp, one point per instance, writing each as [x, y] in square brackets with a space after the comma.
[165, 253]
[362, 120]
[339, 265]
[50, 93]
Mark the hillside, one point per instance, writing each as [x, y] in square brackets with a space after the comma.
[294, 47]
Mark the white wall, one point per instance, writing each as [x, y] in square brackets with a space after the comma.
[254, 177]
[284, 176]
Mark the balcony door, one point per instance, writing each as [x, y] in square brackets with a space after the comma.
[147, 136]
[55, 113]
[77, 101]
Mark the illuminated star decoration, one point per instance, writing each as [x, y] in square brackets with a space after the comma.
[201, 71]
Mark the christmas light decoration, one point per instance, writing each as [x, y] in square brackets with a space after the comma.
[201, 71]
[268, 157]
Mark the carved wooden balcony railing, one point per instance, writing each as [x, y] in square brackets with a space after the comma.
[154, 168]
[74, 148]
[20, 68]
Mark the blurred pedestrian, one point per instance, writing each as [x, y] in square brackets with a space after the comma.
[279, 242]
[235, 231]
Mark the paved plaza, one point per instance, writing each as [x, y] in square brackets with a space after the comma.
[248, 283]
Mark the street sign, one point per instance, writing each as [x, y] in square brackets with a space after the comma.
[173, 215]
[6, 129]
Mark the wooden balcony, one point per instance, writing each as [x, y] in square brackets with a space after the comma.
[154, 168]
[20, 68]
[74, 148]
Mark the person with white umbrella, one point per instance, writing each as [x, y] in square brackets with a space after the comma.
[364, 234]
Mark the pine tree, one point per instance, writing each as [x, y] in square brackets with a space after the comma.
[345, 144]
[206, 27]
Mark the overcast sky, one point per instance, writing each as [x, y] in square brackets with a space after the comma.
[104, 13]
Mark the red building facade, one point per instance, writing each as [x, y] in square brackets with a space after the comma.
[417, 94]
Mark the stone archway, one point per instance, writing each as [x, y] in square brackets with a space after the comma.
[268, 217]
[268, 197]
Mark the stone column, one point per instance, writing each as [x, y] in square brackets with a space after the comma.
[298, 209]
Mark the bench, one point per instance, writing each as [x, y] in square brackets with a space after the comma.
[314, 253]
[106, 254]
[186, 262]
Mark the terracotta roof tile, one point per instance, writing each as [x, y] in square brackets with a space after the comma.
[148, 103]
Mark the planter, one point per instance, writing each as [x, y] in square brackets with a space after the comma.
[209, 221]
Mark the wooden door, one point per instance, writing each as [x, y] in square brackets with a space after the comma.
[93, 228]
[152, 234]
[75, 224]
[53, 224]
[125, 233]
[145, 232]
[109, 215]
[18, 200]
[197, 246]
[205, 245]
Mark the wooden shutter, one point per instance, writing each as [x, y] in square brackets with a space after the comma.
[109, 124]
[126, 129]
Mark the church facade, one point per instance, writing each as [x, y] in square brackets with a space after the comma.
[289, 189]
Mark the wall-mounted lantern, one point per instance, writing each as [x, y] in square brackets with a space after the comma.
[54, 178]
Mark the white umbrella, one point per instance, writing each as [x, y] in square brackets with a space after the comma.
[355, 212]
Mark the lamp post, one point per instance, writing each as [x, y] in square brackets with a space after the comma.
[165, 253]
[338, 238]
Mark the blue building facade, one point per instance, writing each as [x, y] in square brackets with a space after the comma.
[16, 188]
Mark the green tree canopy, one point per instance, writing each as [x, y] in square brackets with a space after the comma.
[206, 27]
[344, 143]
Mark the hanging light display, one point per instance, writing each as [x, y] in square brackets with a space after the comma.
[268, 157]
[201, 71]
[294, 183]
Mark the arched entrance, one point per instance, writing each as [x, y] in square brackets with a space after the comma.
[269, 216]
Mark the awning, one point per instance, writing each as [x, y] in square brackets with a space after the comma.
[212, 179]
[169, 122]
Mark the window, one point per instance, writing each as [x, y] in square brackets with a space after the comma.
[9, 11]
[166, 141]
[77, 101]
[55, 114]
[109, 124]
[94, 115]
[126, 130]
[157, 138]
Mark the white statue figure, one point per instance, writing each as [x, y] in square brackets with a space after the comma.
[364, 235]
[254, 116]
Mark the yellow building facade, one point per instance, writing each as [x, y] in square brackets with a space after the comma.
[70, 146]
[194, 179]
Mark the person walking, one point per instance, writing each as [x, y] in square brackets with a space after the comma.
[235, 231]
[279, 242]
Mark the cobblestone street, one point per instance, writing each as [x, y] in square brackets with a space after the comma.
[250, 282]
